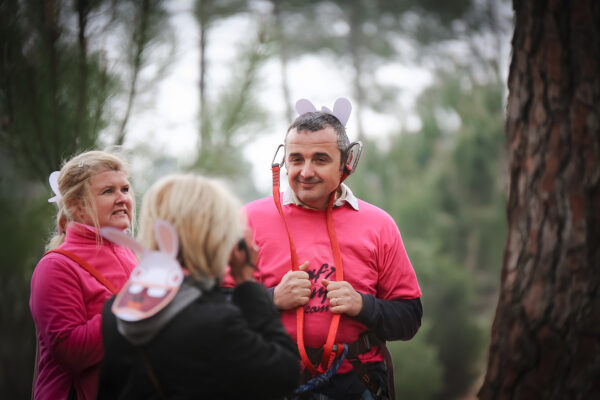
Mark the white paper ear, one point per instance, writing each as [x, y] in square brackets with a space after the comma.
[119, 237]
[341, 110]
[304, 106]
[166, 237]
[53, 179]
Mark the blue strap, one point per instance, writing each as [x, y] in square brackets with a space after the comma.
[319, 380]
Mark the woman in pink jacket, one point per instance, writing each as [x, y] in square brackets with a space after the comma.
[79, 272]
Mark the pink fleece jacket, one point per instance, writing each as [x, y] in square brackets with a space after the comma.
[66, 304]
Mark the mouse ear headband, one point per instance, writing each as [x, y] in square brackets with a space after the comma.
[53, 179]
[341, 109]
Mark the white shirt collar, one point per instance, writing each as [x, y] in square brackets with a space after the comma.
[289, 197]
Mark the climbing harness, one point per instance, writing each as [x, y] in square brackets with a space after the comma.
[319, 380]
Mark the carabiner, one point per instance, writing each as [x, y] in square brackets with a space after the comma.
[273, 164]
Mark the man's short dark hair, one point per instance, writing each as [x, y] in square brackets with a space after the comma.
[317, 120]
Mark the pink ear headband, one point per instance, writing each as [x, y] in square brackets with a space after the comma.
[341, 109]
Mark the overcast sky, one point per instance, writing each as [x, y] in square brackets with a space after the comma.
[170, 123]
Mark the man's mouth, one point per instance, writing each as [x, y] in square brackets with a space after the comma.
[310, 182]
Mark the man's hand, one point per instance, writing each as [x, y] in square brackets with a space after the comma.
[293, 290]
[343, 299]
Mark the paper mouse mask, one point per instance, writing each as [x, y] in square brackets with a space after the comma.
[156, 279]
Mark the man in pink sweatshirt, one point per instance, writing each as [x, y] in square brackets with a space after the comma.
[378, 297]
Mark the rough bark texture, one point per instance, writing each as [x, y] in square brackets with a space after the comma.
[546, 333]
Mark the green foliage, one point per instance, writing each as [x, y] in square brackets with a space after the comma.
[418, 374]
[444, 186]
[52, 93]
[232, 118]
[454, 331]
[24, 227]
[57, 78]
[144, 28]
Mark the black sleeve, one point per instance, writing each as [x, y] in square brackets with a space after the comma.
[268, 360]
[397, 319]
[256, 305]
[271, 294]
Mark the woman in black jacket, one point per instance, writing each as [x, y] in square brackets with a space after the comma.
[205, 344]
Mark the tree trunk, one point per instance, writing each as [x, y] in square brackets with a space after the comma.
[546, 334]
[140, 42]
[83, 9]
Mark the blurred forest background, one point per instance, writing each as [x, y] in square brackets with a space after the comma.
[72, 74]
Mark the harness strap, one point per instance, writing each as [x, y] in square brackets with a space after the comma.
[329, 353]
[374, 387]
[365, 342]
[88, 267]
[331, 350]
[294, 260]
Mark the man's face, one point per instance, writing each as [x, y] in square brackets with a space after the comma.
[313, 165]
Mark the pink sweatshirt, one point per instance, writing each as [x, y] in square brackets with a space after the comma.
[373, 256]
[66, 303]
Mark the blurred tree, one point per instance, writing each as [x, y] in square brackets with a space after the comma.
[207, 13]
[56, 83]
[361, 36]
[417, 371]
[144, 26]
[58, 90]
[23, 228]
[231, 117]
[545, 334]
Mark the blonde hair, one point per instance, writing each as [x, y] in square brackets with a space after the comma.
[205, 216]
[75, 192]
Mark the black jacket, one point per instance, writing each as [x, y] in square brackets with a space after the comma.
[212, 349]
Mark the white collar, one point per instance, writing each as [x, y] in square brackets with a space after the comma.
[346, 196]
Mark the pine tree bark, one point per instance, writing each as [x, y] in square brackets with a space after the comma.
[546, 333]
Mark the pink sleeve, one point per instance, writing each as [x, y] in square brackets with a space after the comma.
[60, 315]
[397, 278]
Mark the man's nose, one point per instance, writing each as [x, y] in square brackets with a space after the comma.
[307, 170]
